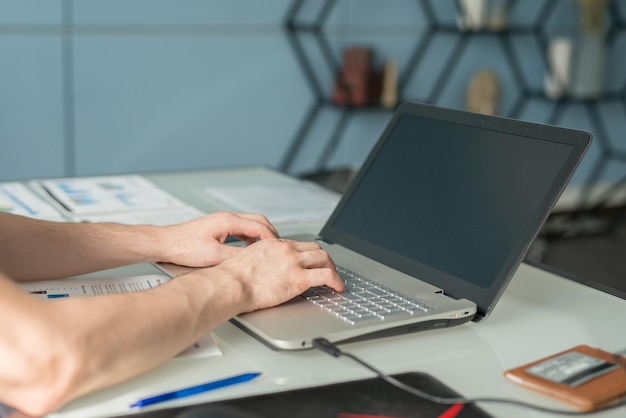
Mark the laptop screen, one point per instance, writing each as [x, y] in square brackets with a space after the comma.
[455, 199]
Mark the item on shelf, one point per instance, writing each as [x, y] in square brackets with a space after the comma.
[578, 67]
[389, 97]
[557, 81]
[474, 14]
[478, 15]
[592, 14]
[589, 68]
[358, 84]
[590, 56]
[483, 93]
[498, 17]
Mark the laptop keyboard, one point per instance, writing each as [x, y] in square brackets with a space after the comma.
[363, 300]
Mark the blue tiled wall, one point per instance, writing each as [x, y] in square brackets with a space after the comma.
[115, 86]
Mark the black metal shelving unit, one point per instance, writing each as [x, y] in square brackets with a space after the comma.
[314, 30]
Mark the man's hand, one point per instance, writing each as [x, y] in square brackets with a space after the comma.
[200, 242]
[273, 271]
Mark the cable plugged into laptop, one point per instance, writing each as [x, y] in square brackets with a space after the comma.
[326, 346]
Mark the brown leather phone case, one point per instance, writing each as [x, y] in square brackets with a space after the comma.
[603, 383]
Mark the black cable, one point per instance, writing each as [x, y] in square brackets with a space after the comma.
[330, 348]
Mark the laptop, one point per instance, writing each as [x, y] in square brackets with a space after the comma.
[431, 228]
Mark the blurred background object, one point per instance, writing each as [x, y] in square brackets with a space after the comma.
[483, 93]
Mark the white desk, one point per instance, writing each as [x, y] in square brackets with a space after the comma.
[539, 314]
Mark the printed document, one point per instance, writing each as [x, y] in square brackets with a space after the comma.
[125, 199]
[89, 195]
[18, 199]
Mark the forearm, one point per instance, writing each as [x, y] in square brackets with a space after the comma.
[84, 344]
[37, 250]
[54, 351]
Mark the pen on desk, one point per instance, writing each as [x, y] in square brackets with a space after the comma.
[194, 390]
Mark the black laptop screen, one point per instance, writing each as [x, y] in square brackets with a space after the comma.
[454, 203]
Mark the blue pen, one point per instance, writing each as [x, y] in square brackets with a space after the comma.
[194, 390]
[57, 295]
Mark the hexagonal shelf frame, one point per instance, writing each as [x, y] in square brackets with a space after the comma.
[296, 29]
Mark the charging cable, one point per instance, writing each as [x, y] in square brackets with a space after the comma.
[330, 348]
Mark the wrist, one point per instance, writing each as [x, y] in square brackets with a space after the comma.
[154, 244]
[221, 292]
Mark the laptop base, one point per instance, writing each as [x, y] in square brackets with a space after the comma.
[390, 332]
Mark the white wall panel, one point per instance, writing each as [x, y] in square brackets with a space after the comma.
[146, 103]
[31, 107]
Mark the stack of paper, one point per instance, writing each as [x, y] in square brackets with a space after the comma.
[18, 199]
[128, 199]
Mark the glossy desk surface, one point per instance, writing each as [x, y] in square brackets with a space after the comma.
[539, 314]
